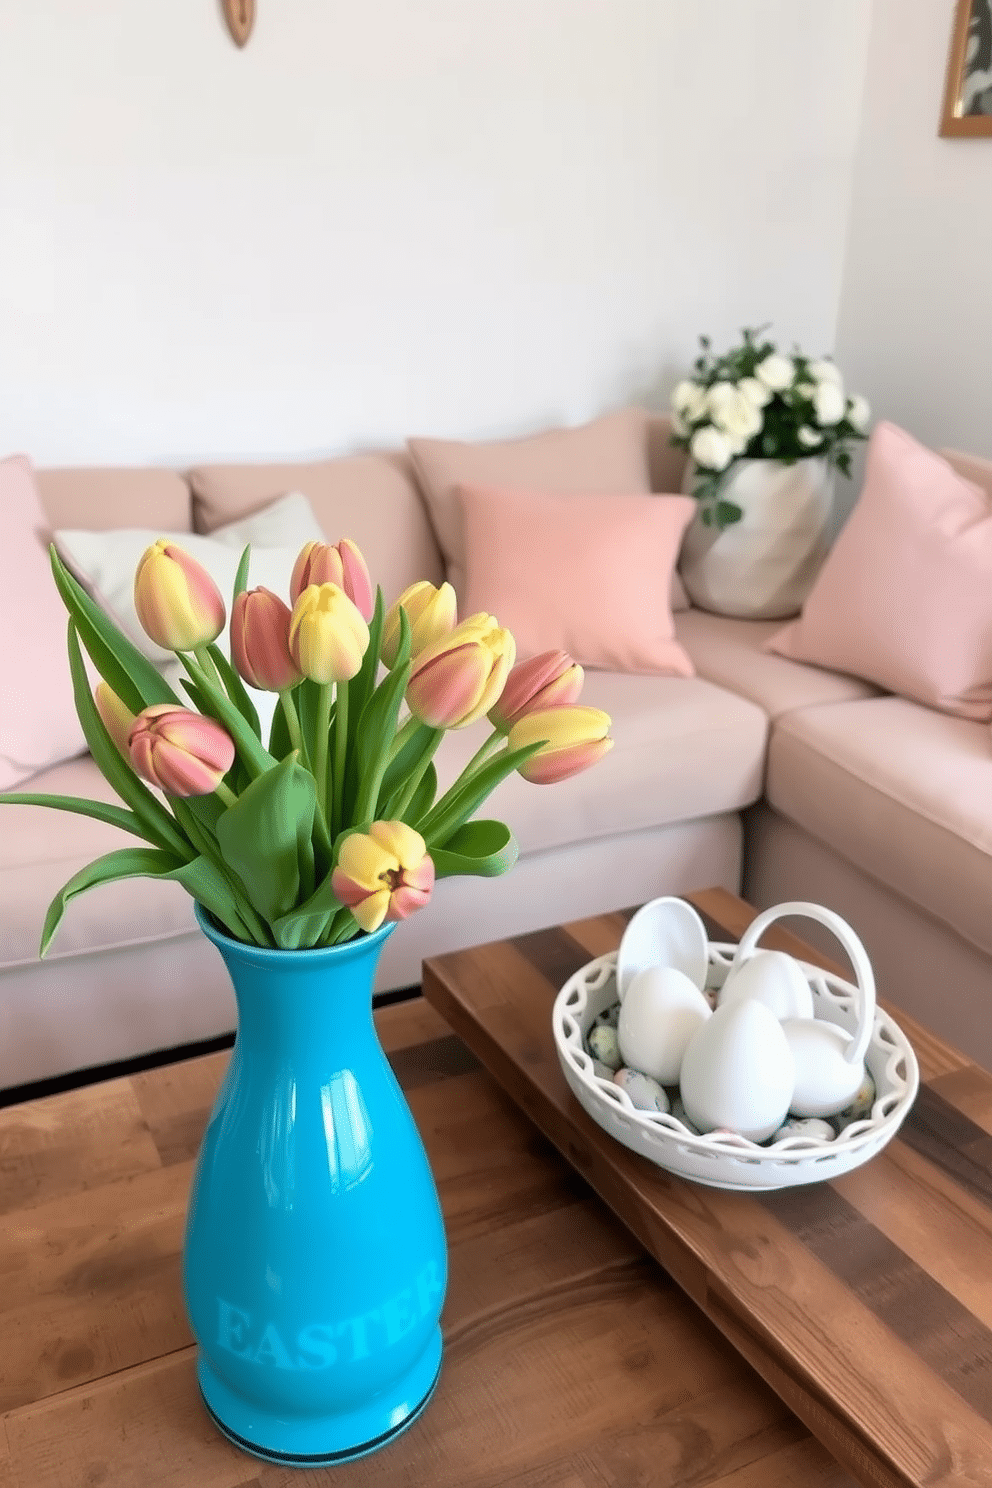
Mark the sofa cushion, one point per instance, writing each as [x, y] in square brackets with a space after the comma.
[610, 454]
[732, 653]
[903, 792]
[40, 849]
[903, 597]
[684, 750]
[38, 723]
[116, 497]
[589, 575]
[372, 499]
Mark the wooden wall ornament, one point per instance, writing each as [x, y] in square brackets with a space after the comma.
[240, 17]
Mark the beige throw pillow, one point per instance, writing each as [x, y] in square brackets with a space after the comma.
[609, 455]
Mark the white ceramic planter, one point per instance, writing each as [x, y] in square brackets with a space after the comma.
[762, 567]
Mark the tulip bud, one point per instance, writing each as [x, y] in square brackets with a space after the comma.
[575, 738]
[334, 563]
[458, 679]
[260, 641]
[327, 635]
[551, 680]
[384, 874]
[431, 612]
[177, 601]
[116, 716]
[183, 753]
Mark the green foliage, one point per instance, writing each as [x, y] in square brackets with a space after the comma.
[793, 422]
[259, 851]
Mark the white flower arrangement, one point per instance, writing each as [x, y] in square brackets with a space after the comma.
[754, 403]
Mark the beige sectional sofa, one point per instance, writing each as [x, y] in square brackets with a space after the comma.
[760, 773]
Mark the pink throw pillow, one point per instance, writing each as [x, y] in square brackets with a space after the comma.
[584, 574]
[904, 598]
[38, 723]
[608, 454]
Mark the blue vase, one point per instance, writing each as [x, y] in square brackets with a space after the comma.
[315, 1261]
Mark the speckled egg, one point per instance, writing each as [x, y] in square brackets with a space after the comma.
[805, 1126]
[645, 1094]
[604, 1046]
[678, 1111]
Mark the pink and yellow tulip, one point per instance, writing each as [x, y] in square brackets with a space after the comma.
[177, 601]
[383, 874]
[116, 716]
[457, 680]
[335, 563]
[260, 641]
[551, 680]
[575, 738]
[183, 753]
[327, 634]
[432, 614]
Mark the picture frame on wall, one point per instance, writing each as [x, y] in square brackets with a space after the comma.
[967, 108]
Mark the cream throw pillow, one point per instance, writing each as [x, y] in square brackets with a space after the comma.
[105, 562]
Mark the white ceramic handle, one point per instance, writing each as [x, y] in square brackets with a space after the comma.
[856, 952]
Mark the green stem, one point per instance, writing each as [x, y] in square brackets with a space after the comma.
[472, 768]
[207, 663]
[340, 754]
[481, 755]
[292, 722]
[225, 793]
[321, 743]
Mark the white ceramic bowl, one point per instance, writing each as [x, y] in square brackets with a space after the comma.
[724, 1160]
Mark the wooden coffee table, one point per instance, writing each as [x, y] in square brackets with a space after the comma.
[572, 1358]
[866, 1303]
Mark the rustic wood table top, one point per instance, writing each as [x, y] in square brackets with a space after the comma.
[866, 1302]
[571, 1356]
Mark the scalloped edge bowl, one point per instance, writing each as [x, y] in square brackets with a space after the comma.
[724, 1160]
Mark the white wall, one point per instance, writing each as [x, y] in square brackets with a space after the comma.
[450, 216]
[915, 320]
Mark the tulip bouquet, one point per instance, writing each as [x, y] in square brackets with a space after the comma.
[754, 403]
[333, 823]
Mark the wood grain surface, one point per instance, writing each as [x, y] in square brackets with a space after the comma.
[571, 1358]
[865, 1302]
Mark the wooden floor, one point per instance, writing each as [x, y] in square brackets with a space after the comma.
[571, 1359]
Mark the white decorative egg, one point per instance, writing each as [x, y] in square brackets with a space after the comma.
[663, 932]
[773, 978]
[738, 1072]
[826, 1081]
[645, 1094]
[662, 1010]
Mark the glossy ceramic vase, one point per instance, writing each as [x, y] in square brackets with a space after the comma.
[315, 1260]
[763, 566]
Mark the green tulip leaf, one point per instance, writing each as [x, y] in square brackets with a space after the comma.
[362, 685]
[210, 887]
[241, 577]
[304, 926]
[266, 837]
[464, 799]
[126, 862]
[159, 826]
[483, 849]
[132, 676]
